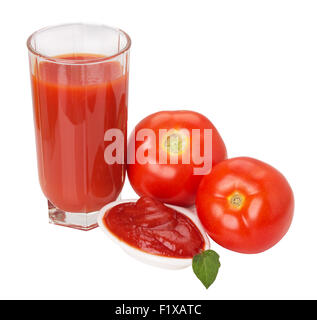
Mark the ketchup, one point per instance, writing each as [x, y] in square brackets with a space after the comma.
[151, 226]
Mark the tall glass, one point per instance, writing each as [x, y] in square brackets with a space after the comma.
[79, 77]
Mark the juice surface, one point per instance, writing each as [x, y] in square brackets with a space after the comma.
[152, 227]
[74, 105]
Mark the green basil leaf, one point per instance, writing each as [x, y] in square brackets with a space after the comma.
[206, 266]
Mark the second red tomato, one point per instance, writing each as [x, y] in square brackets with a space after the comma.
[245, 205]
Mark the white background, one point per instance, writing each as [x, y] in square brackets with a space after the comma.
[250, 66]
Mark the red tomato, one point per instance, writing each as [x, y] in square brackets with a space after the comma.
[245, 205]
[169, 182]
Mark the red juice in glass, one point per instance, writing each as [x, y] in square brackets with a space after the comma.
[79, 76]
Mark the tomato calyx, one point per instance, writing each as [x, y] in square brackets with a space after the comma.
[175, 142]
[236, 200]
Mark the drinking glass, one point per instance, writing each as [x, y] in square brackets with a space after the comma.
[79, 79]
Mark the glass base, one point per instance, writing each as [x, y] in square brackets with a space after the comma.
[81, 221]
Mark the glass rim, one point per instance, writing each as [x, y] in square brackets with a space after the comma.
[74, 61]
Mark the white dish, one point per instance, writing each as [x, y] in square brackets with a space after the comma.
[152, 259]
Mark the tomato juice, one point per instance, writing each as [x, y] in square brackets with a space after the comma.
[76, 99]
